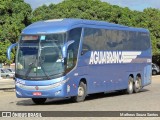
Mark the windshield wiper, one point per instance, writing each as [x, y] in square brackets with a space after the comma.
[41, 64]
[31, 66]
[29, 69]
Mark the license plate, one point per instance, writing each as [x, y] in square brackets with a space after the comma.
[37, 93]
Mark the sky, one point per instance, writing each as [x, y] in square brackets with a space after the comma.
[132, 4]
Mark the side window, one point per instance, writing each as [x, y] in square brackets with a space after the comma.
[126, 41]
[74, 34]
[88, 40]
[114, 40]
[144, 41]
[103, 39]
[138, 41]
[93, 39]
[129, 42]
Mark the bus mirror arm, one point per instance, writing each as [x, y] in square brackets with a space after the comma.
[65, 47]
[9, 50]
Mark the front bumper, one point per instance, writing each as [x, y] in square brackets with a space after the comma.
[54, 90]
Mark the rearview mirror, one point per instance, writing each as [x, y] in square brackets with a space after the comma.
[9, 50]
[65, 47]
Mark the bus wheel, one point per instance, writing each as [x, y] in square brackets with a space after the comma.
[39, 101]
[130, 86]
[81, 93]
[137, 84]
[154, 72]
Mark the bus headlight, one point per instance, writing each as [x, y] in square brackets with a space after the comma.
[19, 85]
[59, 83]
[18, 93]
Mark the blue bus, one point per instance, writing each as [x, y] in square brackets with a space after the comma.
[71, 58]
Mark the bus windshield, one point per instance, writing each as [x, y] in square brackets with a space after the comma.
[40, 56]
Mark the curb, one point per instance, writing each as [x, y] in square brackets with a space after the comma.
[4, 89]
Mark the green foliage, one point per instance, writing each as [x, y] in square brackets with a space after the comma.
[4, 45]
[14, 16]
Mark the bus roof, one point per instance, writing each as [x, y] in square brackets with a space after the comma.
[63, 25]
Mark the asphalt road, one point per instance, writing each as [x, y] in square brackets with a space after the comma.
[147, 100]
[6, 84]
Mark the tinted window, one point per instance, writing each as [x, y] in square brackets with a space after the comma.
[103, 39]
[74, 34]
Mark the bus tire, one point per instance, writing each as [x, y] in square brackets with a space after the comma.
[130, 85]
[39, 101]
[154, 72]
[137, 84]
[82, 91]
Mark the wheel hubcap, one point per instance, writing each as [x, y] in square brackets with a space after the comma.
[80, 91]
[130, 86]
[137, 84]
[154, 73]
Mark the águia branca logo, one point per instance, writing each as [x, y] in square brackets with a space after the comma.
[106, 57]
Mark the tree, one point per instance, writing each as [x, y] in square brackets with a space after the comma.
[151, 21]
[14, 16]
[3, 58]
